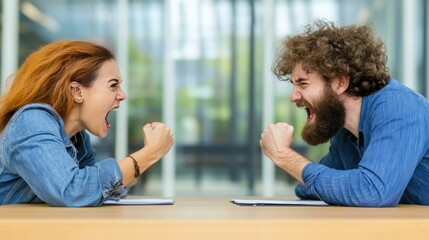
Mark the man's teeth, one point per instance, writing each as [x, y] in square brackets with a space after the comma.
[306, 109]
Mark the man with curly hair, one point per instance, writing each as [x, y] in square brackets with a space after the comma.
[377, 128]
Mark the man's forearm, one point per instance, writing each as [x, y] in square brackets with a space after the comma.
[293, 163]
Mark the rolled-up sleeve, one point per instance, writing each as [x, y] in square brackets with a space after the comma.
[109, 172]
[306, 191]
[110, 176]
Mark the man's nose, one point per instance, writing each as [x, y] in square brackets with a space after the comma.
[295, 95]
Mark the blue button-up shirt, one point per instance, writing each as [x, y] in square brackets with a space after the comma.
[387, 164]
[40, 163]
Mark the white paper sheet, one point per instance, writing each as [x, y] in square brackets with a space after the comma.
[140, 201]
[259, 202]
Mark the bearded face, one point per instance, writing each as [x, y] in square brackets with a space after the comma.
[329, 117]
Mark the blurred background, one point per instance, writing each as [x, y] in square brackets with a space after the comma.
[204, 68]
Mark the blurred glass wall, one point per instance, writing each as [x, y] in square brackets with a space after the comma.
[204, 67]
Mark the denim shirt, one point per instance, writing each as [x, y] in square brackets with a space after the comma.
[387, 164]
[40, 163]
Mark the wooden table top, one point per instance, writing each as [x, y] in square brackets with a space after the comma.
[213, 219]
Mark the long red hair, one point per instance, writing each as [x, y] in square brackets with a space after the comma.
[45, 75]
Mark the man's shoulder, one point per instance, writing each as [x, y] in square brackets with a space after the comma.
[391, 104]
[397, 89]
[396, 94]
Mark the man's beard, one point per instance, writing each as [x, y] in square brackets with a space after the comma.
[330, 117]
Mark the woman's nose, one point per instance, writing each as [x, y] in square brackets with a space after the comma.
[120, 95]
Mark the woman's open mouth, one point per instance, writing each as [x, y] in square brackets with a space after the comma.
[106, 122]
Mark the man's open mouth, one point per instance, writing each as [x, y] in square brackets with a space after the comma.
[310, 114]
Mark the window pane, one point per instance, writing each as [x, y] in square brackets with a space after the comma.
[218, 54]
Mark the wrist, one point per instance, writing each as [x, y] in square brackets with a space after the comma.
[145, 157]
[151, 153]
[137, 171]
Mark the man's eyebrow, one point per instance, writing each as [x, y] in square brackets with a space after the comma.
[298, 80]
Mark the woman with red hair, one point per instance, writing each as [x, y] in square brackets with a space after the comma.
[62, 91]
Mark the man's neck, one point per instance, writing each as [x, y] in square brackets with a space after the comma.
[353, 106]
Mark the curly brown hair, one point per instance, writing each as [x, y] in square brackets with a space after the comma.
[352, 50]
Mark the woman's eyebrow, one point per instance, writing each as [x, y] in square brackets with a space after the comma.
[114, 80]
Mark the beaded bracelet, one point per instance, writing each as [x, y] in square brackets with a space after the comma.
[136, 167]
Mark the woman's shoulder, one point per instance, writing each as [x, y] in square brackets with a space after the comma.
[35, 115]
[31, 122]
[36, 107]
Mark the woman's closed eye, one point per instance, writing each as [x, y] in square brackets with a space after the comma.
[114, 84]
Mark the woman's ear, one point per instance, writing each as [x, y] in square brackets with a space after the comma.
[75, 90]
[340, 84]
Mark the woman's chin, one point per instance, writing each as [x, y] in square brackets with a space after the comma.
[102, 135]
